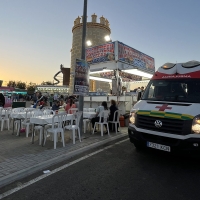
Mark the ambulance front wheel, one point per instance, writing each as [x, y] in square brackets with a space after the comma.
[137, 144]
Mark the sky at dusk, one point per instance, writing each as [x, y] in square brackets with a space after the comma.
[36, 35]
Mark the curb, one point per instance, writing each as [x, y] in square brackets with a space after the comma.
[28, 171]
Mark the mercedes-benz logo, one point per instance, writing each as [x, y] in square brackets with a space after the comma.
[158, 123]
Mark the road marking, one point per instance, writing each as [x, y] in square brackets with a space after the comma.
[9, 192]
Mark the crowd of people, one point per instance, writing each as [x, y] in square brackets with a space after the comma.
[54, 101]
[40, 101]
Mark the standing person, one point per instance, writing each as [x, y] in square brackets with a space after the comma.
[112, 108]
[98, 110]
[70, 104]
[34, 98]
[138, 90]
[55, 97]
[140, 93]
[61, 97]
[2, 100]
[51, 100]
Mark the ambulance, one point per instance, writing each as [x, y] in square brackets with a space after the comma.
[167, 117]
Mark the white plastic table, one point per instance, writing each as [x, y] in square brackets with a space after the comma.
[19, 115]
[89, 115]
[44, 120]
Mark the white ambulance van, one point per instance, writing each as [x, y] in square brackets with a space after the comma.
[167, 117]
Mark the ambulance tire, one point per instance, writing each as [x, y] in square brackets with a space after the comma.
[137, 144]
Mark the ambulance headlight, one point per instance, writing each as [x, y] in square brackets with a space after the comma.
[196, 125]
[132, 117]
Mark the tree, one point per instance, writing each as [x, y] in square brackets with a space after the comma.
[31, 87]
[47, 83]
[11, 84]
[21, 85]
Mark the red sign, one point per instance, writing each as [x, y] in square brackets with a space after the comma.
[163, 107]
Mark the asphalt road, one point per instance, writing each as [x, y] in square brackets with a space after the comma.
[121, 172]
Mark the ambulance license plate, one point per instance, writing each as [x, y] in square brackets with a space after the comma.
[158, 146]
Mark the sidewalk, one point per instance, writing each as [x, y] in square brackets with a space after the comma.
[20, 158]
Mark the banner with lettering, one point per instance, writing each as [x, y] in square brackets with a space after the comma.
[101, 53]
[81, 79]
[136, 58]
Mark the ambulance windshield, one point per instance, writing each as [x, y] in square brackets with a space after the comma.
[179, 90]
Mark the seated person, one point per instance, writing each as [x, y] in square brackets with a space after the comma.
[112, 108]
[98, 110]
[69, 105]
[43, 104]
[62, 103]
[36, 105]
[38, 102]
[56, 105]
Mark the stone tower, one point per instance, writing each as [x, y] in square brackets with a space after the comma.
[95, 33]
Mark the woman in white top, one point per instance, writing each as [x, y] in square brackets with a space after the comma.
[98, 110]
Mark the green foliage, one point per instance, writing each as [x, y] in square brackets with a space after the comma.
[11, 84]
[31, 87]
[47, 83]
[17, 84]
[21, 85]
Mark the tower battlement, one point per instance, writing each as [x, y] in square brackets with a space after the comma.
[103, 22]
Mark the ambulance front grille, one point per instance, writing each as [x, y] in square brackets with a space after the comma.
[173, 126]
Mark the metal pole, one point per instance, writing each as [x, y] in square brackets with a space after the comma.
[80, 106]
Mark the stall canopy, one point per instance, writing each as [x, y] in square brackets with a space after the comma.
[6, 89]
[130, 63]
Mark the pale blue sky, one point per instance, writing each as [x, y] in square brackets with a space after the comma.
[36, 35]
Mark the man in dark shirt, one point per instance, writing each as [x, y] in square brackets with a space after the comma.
[2, 100]
[140, 93]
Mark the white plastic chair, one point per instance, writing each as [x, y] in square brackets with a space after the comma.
[77, 117]
[5, 117]
[85, 109]
[115, 120]
[72, 110]
[26, 121]
[36, 113]
[16, 110]
[36, 129]
[86, 124]
[103, 114]
[48, 112]
[16, 121]
[29, 109]
[57, 122]
[46, 108]
[91, 109]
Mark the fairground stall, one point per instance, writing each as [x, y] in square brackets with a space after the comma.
[120, 66]
[7, 92]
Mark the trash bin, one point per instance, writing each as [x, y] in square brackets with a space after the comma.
[126, 119]
[121, 121]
